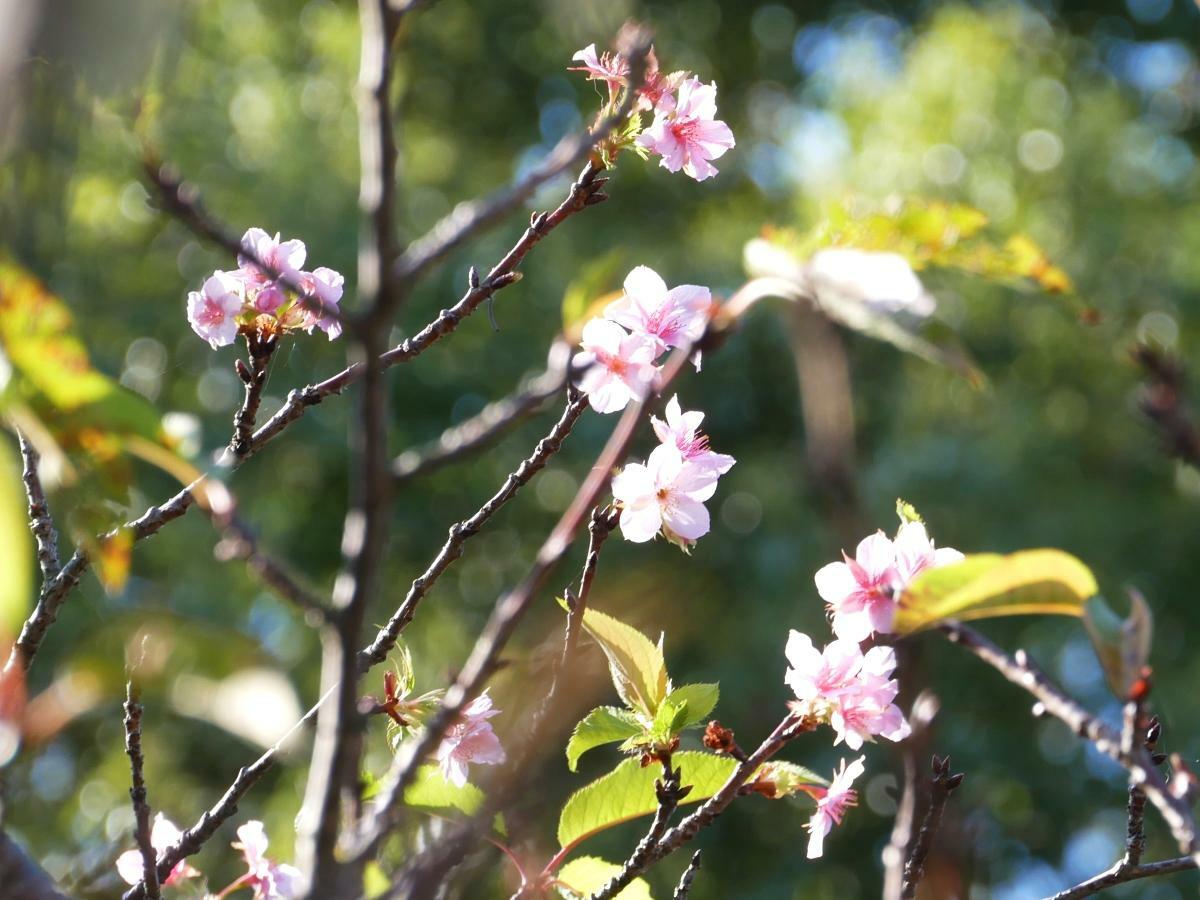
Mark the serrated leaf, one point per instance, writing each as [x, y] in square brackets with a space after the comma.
[603, 725]
[1122, 645]
[431, 790]
[983, 585]
[668, 720]
[636, 664]
[701, 699]
[582, 877]
[627, 792]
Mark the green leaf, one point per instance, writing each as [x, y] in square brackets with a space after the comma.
[787, 778]
[603, 725]
[431, 790]
[627, 792]
[668, 720]
[984, 585]
[701, 699]
[16, 577]
[907, 512]
[636, 664]
[582, 877]
[1122, 645]
[375, 882]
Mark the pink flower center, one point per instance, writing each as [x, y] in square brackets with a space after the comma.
[684, 130]
[211, 313]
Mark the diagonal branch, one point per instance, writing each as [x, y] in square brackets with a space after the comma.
[40, 522]
[137, 791]
[685, 880]
[1118, 875]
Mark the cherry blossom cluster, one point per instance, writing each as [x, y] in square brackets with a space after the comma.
[249, 299]
[269, 880]
[684, 131]
[852, 691]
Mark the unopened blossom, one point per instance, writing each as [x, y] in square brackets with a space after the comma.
[883, 281]
[682, 430]
[470, 740]
[620, 365]
[686, 132]
[915, 553]
[859, 591]
[163, 834]
[213, 310]
[832, 805]
[851, 691]
[665, 495]
[270, 880]
[669, 318]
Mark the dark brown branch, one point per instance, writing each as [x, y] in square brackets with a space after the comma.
[1163, 399]
[22, 878]
[489, 424]
[468, 219]
[137, 791]
[254, 377]
[1118, 875]
[920, 718]
[941, 786]
[685, 880]
[669, 791]
[40, 522]
[1020, 671]
[460, 532]
[1133, 734]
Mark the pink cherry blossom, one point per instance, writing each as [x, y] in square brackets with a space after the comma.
[666, 494]
[162, 835]
[212, 311]
[915, 553]
[686, 132]
[670, 318]
[284, 257]
[859, 591]
[885, 282]
[849, 690]
[270, 880]
[326, 285]
[621, 365]
[682, 430]
[471, 740]
[610, 68]
[832, 805]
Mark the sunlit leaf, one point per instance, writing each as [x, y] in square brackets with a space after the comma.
[700, 700]
[627, 792]
[582, 877]
[432, 790]
[603, 725]
[636, 664]
[990, 584]
[16, 575]
[787, 778]
[1122, 645]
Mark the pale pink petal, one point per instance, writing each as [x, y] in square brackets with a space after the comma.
[944, 556]
[686, 517]
[835, 582]
[876, 555]
[129, 866]
[632, 483]
[641, 523]
[645, 286]
[818, 827]
[852, 626]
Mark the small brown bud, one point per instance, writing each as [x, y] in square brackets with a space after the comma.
[473, 278]
[1153, 732]
[954, 781]
[718, 738]
[243, 371]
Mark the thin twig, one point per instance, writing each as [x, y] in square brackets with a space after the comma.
[920, 718]
[685, 880]
[482, 429]
[1020, 671]
[941, 786]
[137, 790]
[40, 522]
[254, 377]
[460, 532]
[1119, 875]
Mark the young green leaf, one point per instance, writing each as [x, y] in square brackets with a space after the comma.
[668, 721]
[603, 725]
[627, 792]
[582, 877]
[701, 699]
[984, 585]
[1122, 645]
[638, 670]
[431, 790]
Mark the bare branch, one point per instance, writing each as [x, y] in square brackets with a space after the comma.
[461, 531]
[1119, 875]
[920, 718]
[941, 786]
[254, 377]
[685, 880]
[40, 522]
[23, 879]
[137, 791]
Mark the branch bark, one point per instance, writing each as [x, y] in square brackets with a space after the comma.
[137, 791]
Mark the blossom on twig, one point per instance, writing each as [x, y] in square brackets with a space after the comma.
[163, 835]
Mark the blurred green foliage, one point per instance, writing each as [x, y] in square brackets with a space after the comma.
[1077, 127]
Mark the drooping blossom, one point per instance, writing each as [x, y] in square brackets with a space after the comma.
[669, 318]
[163, 834]
[883, 281]
[470, 740]
[326, 285]
[213, 310]
[915, 553]
[682, 430]
[270, 880]
[832, 805]
[620, 365]
[860, 591]
[665, 495]
[686, 132]
[613, 70]
[841, 686]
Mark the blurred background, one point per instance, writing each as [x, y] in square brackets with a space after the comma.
[1073, 123]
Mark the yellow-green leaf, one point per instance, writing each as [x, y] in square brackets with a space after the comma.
[627, 792]
[1122, 645]
[432, 790]
[603, 725]
[16, 576]
[584, 876]
[990, 584]
[638, 670]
